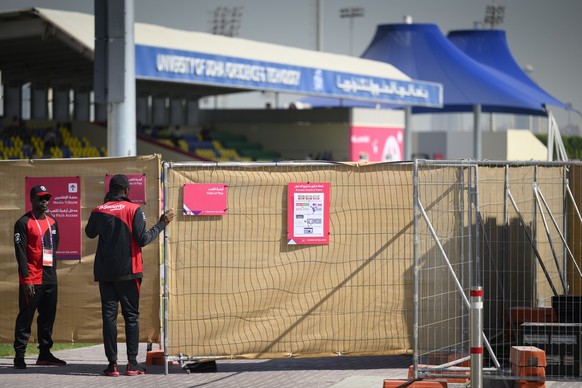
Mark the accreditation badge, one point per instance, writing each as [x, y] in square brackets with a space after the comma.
[47, 257]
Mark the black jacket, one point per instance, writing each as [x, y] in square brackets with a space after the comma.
[121, 227]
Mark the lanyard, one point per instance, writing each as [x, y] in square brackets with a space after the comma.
[41, 234]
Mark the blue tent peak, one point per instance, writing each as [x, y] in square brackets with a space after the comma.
[422, 52]
[489, 47]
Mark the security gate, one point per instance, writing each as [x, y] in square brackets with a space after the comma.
[503, 227]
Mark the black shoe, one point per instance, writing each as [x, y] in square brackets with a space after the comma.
[19, 363]
[201, 367]
[111, 370]
[134, 369]
[49, 359]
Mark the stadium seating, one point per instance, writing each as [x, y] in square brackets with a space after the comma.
[33, 146]
[222, 146]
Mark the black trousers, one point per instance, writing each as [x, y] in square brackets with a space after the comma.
[45, 301]
[125, 293]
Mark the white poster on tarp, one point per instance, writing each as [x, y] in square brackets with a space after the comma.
[308, 216]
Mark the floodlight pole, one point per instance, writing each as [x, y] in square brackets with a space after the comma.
[319, 17]
[121, 116]
[407, 146]
[351, 13]
[114, 82]
[477, 132]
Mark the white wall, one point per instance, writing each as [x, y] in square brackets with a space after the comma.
[513, 144]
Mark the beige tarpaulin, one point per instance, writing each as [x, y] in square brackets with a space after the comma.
[79, 307]
[236, 288]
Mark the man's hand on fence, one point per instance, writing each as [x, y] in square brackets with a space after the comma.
[167, 217]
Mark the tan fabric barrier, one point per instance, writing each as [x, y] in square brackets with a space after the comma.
[238, 289]
[79, 307]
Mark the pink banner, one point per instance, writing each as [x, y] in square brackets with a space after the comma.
[205, 199]
[65, 207]
[308, 214]
[373, 144]
[137, 187]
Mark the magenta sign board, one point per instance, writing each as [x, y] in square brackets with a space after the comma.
[137, 187]
[374, 144]
[65, 207]
[205, 199]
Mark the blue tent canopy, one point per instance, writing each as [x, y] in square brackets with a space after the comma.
[490, 48]
[423, 52]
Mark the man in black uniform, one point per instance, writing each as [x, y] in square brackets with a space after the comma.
[36, 239]
[121, 227]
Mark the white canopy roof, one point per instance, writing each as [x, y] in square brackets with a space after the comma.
[82, 27]
[57, 47]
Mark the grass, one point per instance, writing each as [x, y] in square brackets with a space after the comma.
[7, 350]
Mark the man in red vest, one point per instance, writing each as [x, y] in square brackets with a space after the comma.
[121, 227]
[36, 239]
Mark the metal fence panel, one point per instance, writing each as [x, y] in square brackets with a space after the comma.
[407, 244]
[444, 260]
[509, 234]
[235, 288]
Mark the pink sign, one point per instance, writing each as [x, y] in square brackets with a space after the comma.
[65, 207]
[308, 213]
[205, 199]
[137, 187]
[374, 144]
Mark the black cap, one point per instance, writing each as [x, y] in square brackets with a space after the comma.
[39, 191]
[118, 181]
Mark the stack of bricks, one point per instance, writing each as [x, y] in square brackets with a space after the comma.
[528, 361]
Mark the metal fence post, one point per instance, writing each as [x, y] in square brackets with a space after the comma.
[166, 167]
[415, 217]
[476, 316]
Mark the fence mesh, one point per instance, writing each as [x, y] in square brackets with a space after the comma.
[237, 289]
[513, 226]
[79, 306]
[407, 242]
[444, 260]
[522, 209]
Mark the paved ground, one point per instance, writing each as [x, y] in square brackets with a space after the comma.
[85, 366]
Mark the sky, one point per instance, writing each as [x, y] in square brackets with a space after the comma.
[542, 34]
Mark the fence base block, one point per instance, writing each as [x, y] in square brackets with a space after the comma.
[524, 356]
[416, 384]
[439, 358]
[529, 384]
[528, 361]
[536, 371]
[155, 357]
[452, 370]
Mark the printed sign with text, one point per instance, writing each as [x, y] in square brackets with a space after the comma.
[137, 187]
[308, 214]
[65, 207]
[205, 199]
